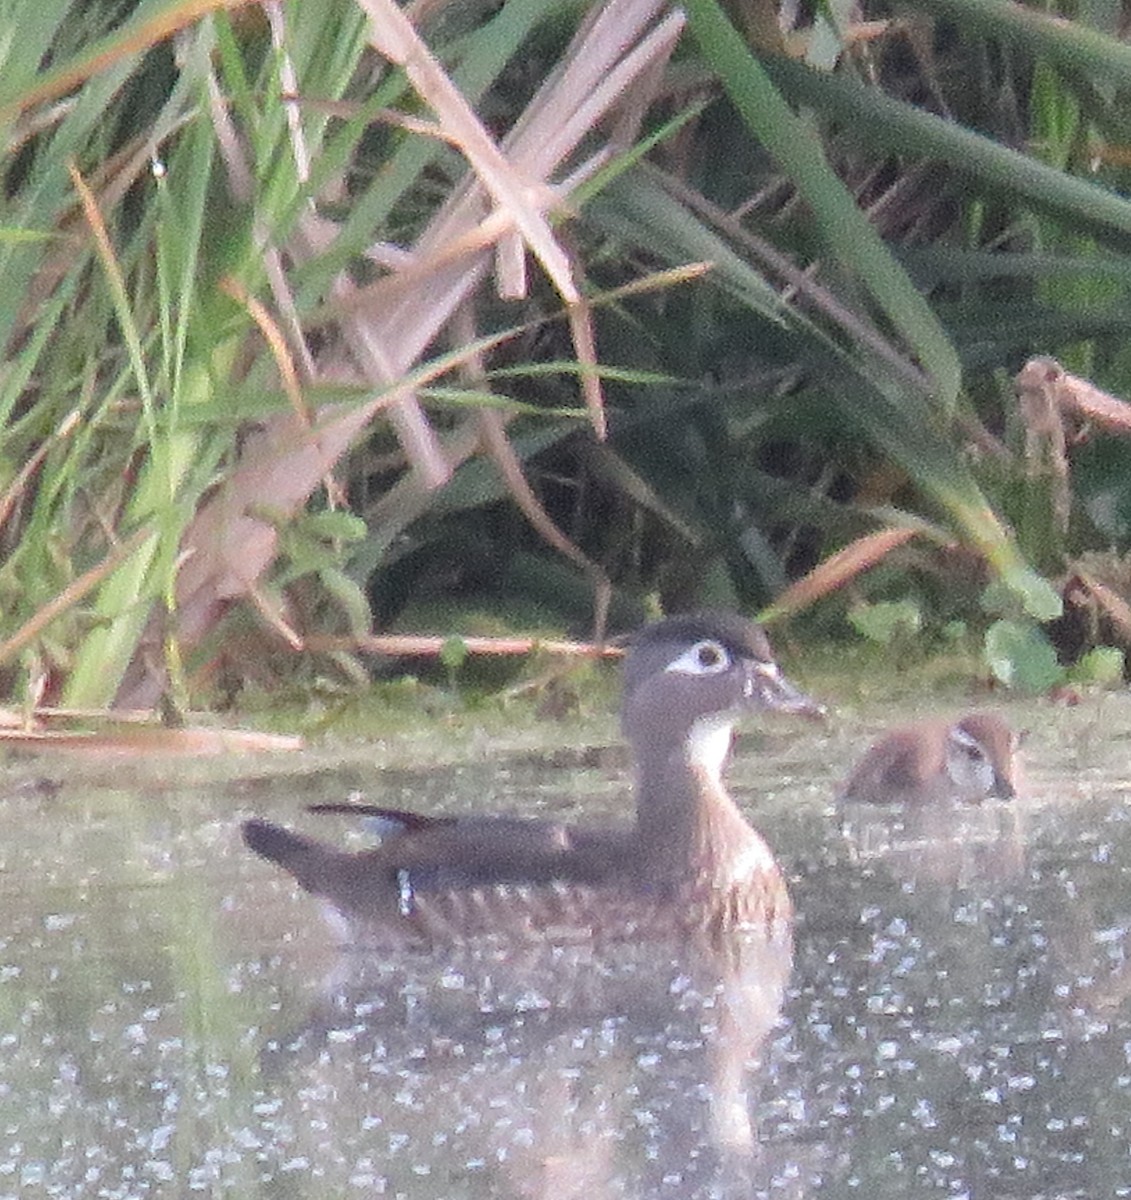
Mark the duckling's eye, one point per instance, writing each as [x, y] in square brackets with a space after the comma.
[704, 658]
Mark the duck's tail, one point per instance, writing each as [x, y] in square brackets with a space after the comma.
[303, 857]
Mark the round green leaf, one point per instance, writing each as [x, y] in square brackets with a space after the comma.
[1020, 656]
[1102, 665]
[886, 621]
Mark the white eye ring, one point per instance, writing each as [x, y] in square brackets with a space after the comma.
[970, 746]
[707, 657]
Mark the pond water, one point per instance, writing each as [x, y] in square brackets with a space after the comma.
[175, 1018]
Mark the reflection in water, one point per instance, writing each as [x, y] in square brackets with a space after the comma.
[946, 843]
[172, 1021]
[553, 1073]
[947, 1011]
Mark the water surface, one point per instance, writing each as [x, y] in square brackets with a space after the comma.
[175, 1019]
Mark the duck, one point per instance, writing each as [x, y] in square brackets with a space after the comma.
[967, 760]
[689, 863]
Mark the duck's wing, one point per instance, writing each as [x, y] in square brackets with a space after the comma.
[391, 822]
[478, 848]
[386, 821]
[442, 863]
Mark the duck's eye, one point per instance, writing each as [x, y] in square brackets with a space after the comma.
[704, 658]
[710, 655]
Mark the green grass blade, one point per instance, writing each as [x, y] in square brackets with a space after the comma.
[847, 232]
[881, 123]
[1069, 45]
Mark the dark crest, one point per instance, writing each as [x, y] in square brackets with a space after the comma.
[742, 638]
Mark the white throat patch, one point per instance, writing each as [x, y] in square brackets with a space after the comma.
[708, 744]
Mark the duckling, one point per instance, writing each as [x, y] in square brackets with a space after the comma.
[968, 760]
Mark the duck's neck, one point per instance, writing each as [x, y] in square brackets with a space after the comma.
[690, 830]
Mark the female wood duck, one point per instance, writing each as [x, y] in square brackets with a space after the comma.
[690, 863]
[968, 760]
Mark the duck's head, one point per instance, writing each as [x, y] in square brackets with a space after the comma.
[688, 678]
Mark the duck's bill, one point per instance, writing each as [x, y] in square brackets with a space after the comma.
[767, 687]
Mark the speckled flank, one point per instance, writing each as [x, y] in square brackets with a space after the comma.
[690, 865]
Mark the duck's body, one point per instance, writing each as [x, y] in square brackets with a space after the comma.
[690, 863]
[967, 760]
[454, 880]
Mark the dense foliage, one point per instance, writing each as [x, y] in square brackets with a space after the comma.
[312, 313]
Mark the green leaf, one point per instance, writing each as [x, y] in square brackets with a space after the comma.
[1038, 597]
[1021, 656]
[352, 598]
[1102, 665]
[335, 525]
[887, 620]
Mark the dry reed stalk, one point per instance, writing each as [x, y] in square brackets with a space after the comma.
[226, 549]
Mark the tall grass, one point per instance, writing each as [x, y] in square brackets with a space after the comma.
[310, 301]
